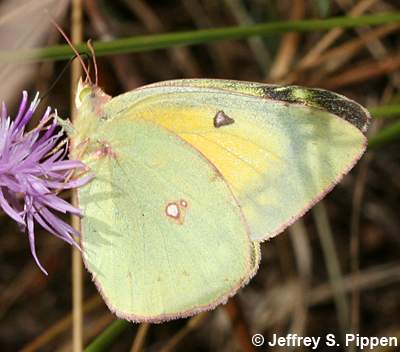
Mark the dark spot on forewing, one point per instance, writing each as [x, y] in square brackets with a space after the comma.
[222, 119]
[323, 99]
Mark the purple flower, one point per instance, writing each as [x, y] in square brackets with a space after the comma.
[33, 170]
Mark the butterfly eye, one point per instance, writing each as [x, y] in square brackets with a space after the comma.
[84, 93]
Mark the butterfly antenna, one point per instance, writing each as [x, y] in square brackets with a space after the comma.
[91, 48]
[73, 49]
[60, 75]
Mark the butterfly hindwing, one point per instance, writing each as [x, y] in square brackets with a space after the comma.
[162, 233]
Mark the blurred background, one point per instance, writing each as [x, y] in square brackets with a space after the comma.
[336, 270]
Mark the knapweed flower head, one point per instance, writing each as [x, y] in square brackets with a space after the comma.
[33, 170]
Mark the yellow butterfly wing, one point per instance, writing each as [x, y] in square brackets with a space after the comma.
[280, 149]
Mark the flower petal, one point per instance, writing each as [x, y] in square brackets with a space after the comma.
[31, 236]
[9, 210]
[33, 170]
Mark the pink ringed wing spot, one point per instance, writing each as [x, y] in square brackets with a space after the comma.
[105, 150]
[176, 211]
[222, 119]
[183, 203]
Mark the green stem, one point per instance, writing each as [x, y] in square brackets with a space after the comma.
[108, 336]
[384, 136]
[160, 41]
[385, 111]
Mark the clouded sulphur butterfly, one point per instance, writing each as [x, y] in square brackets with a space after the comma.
[191, 175]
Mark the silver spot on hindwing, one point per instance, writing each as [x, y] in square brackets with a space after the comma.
[176, 211]
[172, 210]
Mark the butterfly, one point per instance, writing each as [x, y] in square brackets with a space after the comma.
[191, 175]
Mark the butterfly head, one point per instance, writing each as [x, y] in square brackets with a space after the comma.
[91, 95]
[90, 101]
